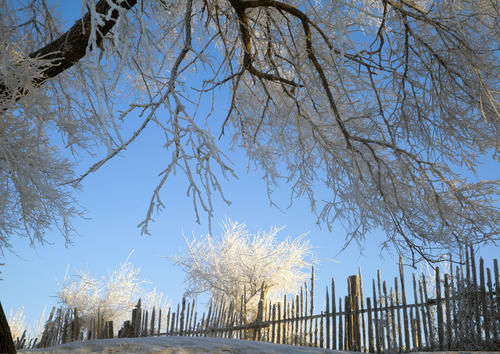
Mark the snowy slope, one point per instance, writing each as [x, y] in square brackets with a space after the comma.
[176, 345]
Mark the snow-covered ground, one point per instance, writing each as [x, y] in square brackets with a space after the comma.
[176, 345]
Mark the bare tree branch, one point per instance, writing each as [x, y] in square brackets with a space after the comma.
[62, 53]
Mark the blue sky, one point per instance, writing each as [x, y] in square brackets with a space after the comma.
[116, 199]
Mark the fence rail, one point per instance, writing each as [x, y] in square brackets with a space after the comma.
[459, 310]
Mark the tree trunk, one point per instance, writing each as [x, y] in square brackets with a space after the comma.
[6, 341]
[68, 49]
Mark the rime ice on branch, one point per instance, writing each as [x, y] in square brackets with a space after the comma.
[366, 107]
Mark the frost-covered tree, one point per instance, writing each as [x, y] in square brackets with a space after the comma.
[238, 266]
[113, 297]
[375, 110]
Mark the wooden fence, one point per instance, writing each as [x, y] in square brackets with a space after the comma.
[459, 310]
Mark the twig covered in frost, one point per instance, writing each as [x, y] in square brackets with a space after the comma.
[365, 107]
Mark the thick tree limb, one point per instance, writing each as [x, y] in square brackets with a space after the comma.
[68, 49]
[6, 342]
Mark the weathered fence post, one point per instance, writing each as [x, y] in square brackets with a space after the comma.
[278, 332]
[439, 305]
[327, 317]
[371, 347]
[334, 317]
[449, 333]
[430, 317]
[260, 313]
[494, 312]
[312, 306]
[136, 319]
[181, 329]
[375, 313]
[159, 320]
[347, 324]
[152, 325]
[75, 326]
[403, 294]
[387, 317]
[398, 312]
[354, 290]
[341, 331]
[191, 317]
[417, 313]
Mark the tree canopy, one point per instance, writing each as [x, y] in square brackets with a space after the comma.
[385, 104]
[242, 269]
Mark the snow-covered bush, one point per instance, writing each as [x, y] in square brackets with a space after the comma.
[17, 322]
[18, 327]
[113, 297]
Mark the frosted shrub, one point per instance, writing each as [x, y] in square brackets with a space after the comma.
[113, 296]
[17, 323]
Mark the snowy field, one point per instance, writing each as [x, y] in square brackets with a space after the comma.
[176, 345]
[191, 345]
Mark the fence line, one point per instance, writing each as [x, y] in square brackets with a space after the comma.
[462, 312]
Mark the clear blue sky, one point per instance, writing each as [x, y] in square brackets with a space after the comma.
[116, 199]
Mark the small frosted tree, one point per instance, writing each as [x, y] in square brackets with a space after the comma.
[113, 296]
[238, 265]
